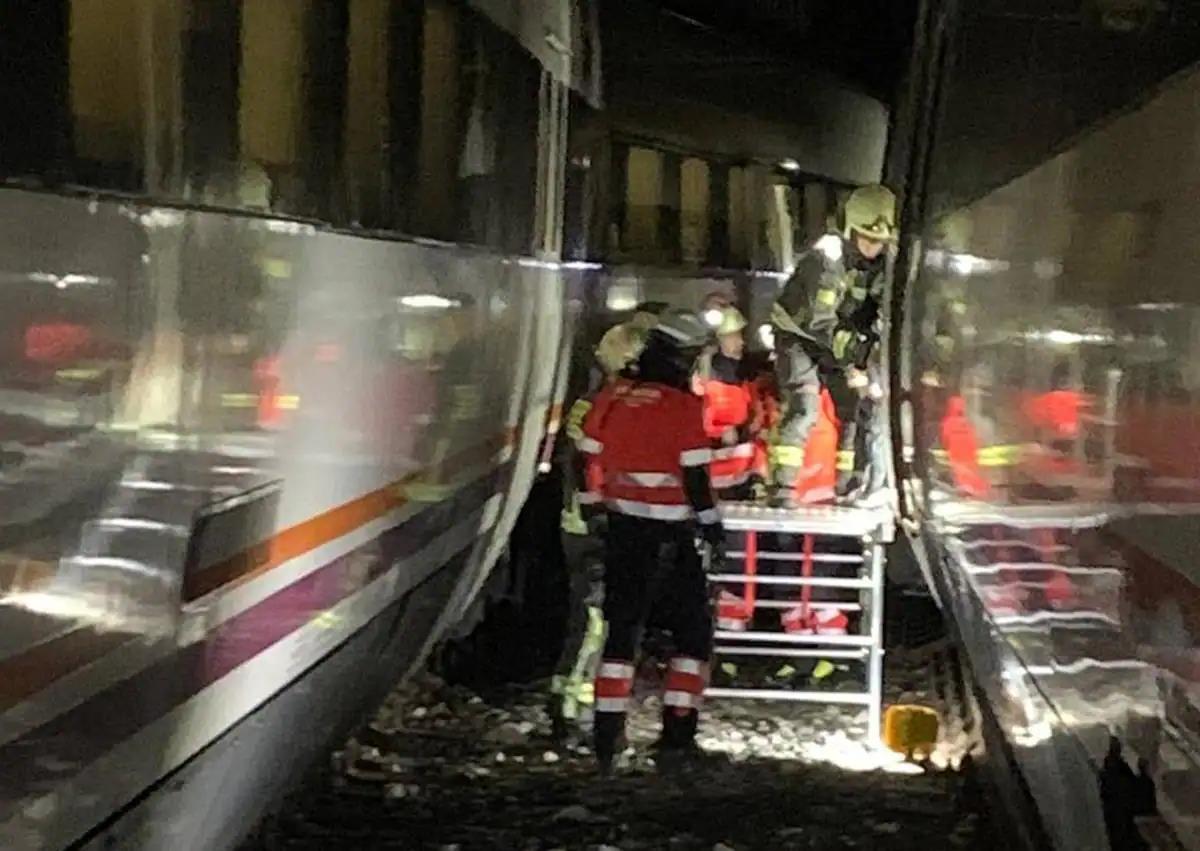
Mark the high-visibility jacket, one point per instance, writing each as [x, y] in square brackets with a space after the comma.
[832, 298]
[1057, 412]
[962, 449]
[730, 411]
[645, 440]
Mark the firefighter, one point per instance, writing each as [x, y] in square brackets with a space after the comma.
[819, 324]
[571, 686]
[648, 463]
[731, 411]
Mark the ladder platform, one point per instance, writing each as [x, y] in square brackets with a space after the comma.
[843, 521]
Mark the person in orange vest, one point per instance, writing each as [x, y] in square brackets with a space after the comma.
[649, 468]
[731, 413]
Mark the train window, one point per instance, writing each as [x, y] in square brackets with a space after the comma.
[416, 116]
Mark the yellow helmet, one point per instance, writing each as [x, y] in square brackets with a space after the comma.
[871, 212]
[732, 322]
[619, 347]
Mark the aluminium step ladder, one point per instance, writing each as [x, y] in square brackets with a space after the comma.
[782, 540]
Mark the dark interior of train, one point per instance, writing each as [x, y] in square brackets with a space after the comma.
[555, 424]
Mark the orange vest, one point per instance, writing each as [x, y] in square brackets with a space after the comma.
[962, 448]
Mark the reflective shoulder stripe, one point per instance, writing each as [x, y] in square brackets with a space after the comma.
[708, 516]
[695, 457]
[590, 445]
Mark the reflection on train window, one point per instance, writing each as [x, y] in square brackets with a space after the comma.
[416, 116]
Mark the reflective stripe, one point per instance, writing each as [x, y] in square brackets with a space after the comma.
[685, 665]
[590, 498]
[681, 699]
[788, 456]
[695, 457]
[845, 460]
[590, 445]
[708, 516]
[615, 670]
[742, 450]
[612, 704]
[650, 480]
[730, 481]
[649, 510]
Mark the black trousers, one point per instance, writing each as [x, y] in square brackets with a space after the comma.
[581, 552]
[802, 368]
[652, 572]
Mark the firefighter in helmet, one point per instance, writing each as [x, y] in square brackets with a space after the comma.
[825, 325]
[731, 414]
[648, 465]
[583, 548]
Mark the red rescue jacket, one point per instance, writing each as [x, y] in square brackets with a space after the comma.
[641, 437]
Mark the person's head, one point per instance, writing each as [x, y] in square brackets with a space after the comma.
[619, 348]
[672, 348]
[869, 219]
[730, 339]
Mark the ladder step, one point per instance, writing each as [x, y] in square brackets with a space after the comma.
[853, 698]
[827, 558]
[786, 604]
[790, 652]
[839, 521]
[829, 582]
[784, 638]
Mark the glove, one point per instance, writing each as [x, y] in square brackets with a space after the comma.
[858, 380]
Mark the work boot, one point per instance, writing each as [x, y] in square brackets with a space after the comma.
[849, 488]
[676, 751]
[559, 729]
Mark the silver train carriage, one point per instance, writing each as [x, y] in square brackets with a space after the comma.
[256, 448]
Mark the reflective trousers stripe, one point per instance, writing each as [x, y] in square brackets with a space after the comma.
[686, 665]
[615, 670]
[687, 677]
[612, 704]
[682, 700]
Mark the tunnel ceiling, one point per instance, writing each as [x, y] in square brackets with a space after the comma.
[864, 41]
